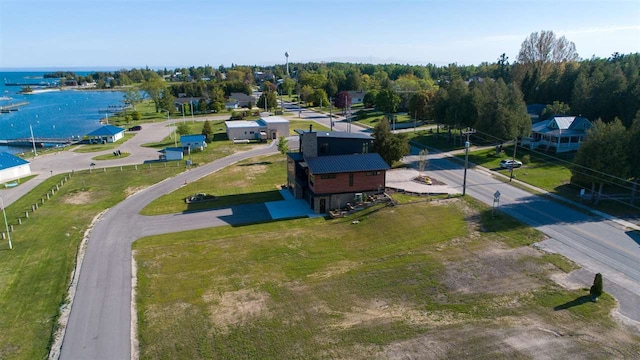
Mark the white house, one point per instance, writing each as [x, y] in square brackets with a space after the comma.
[105, 134]
[357, 97]
[193, 142]
[242, 99]
[12, 167]
[268, 127]
[558, 134]
[171, 154]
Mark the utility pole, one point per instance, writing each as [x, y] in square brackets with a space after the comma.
[515, 147]
[330, 112]
[33, 141]
[468, 133]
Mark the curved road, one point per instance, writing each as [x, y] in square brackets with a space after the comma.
[100, 320]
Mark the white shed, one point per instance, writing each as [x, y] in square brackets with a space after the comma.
[171, 154]
[13, 167]
[243, 130]
[275, 126]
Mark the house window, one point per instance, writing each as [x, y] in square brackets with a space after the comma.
[365, 148]
[324, 148]
[328, 176]
[312, 179]
[373, 173]
[351, 179]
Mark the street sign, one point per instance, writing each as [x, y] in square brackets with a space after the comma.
[496, 195]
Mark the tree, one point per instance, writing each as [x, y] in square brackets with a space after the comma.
[283, 145]
[154, 88]
[342, 100]
[288, 84]
[207, 131]
[370, 98]
[387, 101]
[419, 104]
[132, 97]
[602, 157]
[423, 160]
[319, 97]
[271, 99]
[557, 108]
[391, 147]
[182, 129]
[543, 48]
[596, 289]
[305, 93]
[166, 101]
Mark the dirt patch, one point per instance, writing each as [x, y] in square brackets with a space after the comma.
[77, 198]
[379, 312]
[494, 269]
[237, 307]
[133, 189]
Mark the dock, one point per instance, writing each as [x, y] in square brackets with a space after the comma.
[12, 107]
[39, 142]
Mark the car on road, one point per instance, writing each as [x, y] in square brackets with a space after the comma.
[135, 128]
[508, 163]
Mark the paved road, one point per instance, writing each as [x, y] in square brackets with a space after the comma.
[99, 325]
[100, 319]
[596, 244]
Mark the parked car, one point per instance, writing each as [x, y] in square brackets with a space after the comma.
[508, 163]
[135, 128]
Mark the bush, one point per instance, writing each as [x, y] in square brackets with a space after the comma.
[526, 159]
[596, 288]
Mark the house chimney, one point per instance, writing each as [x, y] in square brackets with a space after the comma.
[310, 127]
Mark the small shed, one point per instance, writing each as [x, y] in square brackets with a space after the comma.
[171, 154]
[193, 142]
[106, 134]
[13, 167]
[274, 126]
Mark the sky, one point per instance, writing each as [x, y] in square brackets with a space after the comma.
[114, 34]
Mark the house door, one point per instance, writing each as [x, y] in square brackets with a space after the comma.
[323, 206]
[273, 135]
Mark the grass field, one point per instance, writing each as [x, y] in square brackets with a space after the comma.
[35, 274]
[111, 156]
[247, 182]
[429, 280]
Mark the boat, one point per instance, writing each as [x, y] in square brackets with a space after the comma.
[5, 98]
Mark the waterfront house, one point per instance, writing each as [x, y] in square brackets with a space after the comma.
[333, 168]
[105, 134]
[12, 167]
[357, 97]
[558, 134]
[193, 142]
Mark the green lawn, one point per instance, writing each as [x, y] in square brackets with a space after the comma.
[304, 125]
[34, 275]
[247, 182]
[433, 139]
[111, 156]
[89, 148]
[316, 288]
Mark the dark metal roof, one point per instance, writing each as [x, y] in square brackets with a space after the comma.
[295, 156]
[336, 134]
[346, 163]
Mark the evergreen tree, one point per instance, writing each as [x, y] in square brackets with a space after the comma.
[207, 131]
[596, 289]
[391, 147]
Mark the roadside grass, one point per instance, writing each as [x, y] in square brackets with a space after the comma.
[19, 181]
[316, 288]
[111, 156]
[34, 275]
[304, 126]
[250, 181]
[431, 138]
[89, 148]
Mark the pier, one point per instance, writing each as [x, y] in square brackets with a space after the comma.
[39, 142]
[12, 107]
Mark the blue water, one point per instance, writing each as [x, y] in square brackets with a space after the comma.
[57, 114]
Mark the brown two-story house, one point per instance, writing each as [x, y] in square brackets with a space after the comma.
[332, 168]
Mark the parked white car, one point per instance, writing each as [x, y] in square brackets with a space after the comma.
[508, 163]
